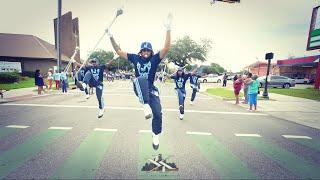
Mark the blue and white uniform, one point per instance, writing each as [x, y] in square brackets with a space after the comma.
[180, 81]
[94, 77]
[194, 85]
[145, 71]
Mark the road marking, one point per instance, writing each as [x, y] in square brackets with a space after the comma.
[134, 108]
[198, 133]
[296, 137]
[61, 128]
[106, 130]
[17, 126]
[247, 135]
[145, 131]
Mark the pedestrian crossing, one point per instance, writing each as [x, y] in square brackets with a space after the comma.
[85, 160]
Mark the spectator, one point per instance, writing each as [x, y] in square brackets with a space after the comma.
[235, 78]
[64, 81]
[50, 79]
[247, 82]
[56, 78]
[237, 84]
[1, 93]
[253, 92]
[225, 79]
[38, 79]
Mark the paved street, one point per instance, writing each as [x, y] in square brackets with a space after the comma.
[60, 136]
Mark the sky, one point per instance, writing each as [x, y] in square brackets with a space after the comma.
[241, 33]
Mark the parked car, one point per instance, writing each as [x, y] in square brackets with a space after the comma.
[215, 78]
[302, 80]
[277, 81]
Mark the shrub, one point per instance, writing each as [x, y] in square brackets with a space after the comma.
[9, 77]
[28, 73]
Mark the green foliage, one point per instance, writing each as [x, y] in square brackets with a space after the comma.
[214, 68]
[102, 55]
[185, 51]
[9, 77]
[124, 64]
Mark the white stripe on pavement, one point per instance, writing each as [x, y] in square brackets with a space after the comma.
[198, 133]
[247, 135]
[62, 128]
[296, 137]
[135, 108]
[145, 131]
[17, 126]
[106, 130]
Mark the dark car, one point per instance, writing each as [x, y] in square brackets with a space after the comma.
[277, 81]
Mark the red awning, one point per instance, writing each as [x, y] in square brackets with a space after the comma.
[298, 61]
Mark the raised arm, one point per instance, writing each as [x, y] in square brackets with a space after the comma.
[117, 48]
[165, 50]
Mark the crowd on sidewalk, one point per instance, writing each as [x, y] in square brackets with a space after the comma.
[47, 79]
[250, 86]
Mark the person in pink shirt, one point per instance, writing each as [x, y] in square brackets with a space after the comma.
[237, 85]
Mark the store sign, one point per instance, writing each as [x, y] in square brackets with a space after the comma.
[314, 32]
[6, 66]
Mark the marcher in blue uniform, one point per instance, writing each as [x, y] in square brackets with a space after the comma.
[80, 77]
[194, 85]
[180, 79]
[145, 64]
[94, 77]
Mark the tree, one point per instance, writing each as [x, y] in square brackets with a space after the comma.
[214, 68]
[123, 64]
[185, 51]
[102, 55]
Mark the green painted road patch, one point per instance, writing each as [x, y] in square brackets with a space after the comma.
[286, 159]
[4, 131]
[16, 156]
[222, 160]
[86, 159]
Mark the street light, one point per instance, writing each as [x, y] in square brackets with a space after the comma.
[269, 56]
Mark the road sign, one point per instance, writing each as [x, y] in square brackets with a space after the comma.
[314, 32]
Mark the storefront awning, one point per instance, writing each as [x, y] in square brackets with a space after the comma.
[310, 61]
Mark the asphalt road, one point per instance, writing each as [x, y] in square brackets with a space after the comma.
[60, 136]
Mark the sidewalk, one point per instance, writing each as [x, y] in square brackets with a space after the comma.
[299, 110]
[16, 94]
[25, 93]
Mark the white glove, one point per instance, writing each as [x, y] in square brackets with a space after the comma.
[109, 33]
[167, 23]
[72, 60]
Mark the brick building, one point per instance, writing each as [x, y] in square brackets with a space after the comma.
[302, 67]
[260, 68]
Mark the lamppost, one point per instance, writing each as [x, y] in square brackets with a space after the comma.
[265, 94]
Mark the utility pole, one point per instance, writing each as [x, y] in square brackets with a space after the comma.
[58, 37]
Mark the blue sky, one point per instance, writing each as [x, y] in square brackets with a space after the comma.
[241, 33]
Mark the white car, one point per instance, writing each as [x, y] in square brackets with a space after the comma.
[302, 80]
[215, 78]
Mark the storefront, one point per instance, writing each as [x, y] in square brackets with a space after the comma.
[304, 67]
